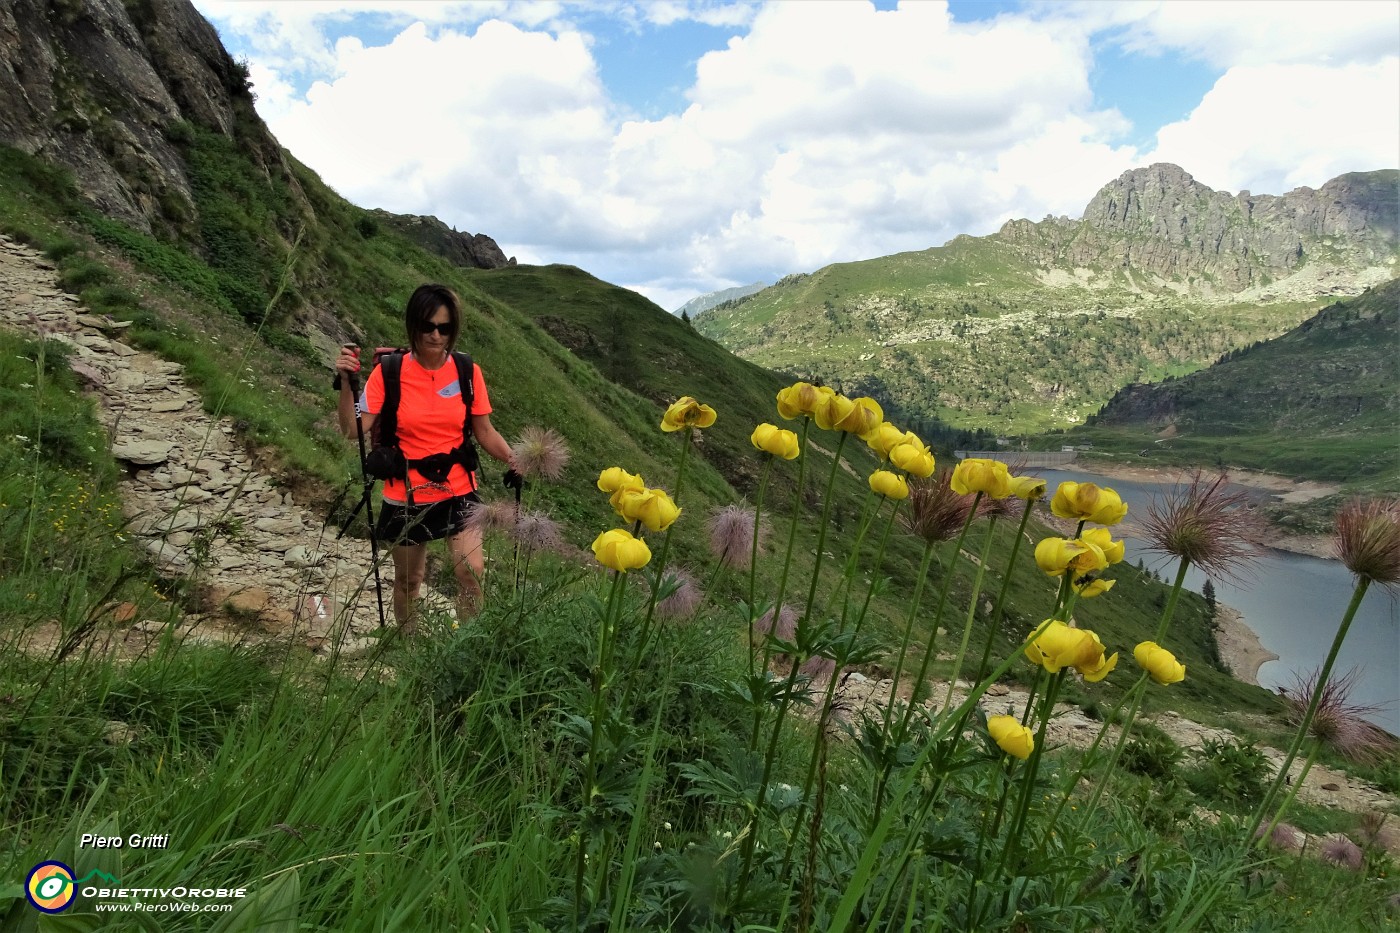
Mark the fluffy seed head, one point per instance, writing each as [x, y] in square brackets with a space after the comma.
[784, 630]
[1368, 540]
[540, 452]
[1338, 722]
[817, 668]
[537, 532]
[492, 516]
[1342, 852]
[731, 535]
[935, 512]
[684, 599]
[1205, 523]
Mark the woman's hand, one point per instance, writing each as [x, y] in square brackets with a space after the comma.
[348, 362]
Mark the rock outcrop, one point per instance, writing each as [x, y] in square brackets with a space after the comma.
[99, 86]
[1159, 220]
[472, 251]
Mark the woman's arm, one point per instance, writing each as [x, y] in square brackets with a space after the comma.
[348, 365]
[490, 439]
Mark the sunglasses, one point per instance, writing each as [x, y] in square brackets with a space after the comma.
[427, 327]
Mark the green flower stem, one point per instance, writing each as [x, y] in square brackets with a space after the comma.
[751, 839]
[1170, 609]
[782, 581]
[1136, 692]
[875, 569]
[938, 616]
[606, 630]
[1292, 792]
[1357, 595]
[971, 609]
[658, 577]
[819, 742]
[1000, 606]
[867, 518]
[1087, 761]
[908, 630]
[1018, 823]
[826, 518]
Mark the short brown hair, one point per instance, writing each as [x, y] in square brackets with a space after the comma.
[423, 304]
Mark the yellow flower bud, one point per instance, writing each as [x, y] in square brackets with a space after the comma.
[614, 478]
[617, 550]
[889, 485]
[1055, 555]
[884, 438]
[864, 417]
[831, 410]
[914, 459]
[1060, 646]
[687, 413]
[1089, 502]
[772, 439]
[652, 507]
[1028, 487]
[798, 399]
[1012, 737]
[1159, 663]
[1102, 538]
[975, 474]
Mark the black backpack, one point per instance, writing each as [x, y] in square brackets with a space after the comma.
[386, 460]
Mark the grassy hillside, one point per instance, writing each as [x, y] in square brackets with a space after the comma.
[1330, 386]
[557, 763]
[975, 335]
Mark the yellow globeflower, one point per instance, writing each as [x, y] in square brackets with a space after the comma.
[914, 459]
[1012, 737]
[865, 417]
[614, 478]
[831, 410]
[1056, 555]
[687, 413]
[1061, 646]
[772, 439]
[1159, 663]
[617, 550]
[1102, 538]
[979, 475]
[1104, 666]
[889, 485]
[652, 507]
[1087, 501]
[1028, 487]
[885, 438]
[798, 399]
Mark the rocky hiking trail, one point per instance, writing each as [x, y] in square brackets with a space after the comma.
[267, 568]
[198, 505]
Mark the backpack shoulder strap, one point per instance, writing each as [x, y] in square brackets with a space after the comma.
[466, 381]
[388, 422]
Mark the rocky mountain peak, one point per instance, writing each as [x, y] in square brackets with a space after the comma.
[1159, 220]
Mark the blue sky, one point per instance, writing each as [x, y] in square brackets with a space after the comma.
[683, 146]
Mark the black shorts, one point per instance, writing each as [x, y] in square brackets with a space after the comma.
[432, 521]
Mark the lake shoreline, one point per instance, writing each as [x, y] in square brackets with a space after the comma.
[1240, 648]
[1279, 487]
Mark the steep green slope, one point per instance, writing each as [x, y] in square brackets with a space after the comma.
[1321, 401]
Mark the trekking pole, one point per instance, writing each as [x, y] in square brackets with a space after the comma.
[366, 497]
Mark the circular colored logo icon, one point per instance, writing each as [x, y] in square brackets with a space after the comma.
[50, 887]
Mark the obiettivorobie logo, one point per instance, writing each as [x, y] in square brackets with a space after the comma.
[51, 886]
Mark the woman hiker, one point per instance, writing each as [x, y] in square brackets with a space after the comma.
[439, 461]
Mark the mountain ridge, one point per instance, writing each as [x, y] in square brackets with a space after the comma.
[1161, 277]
